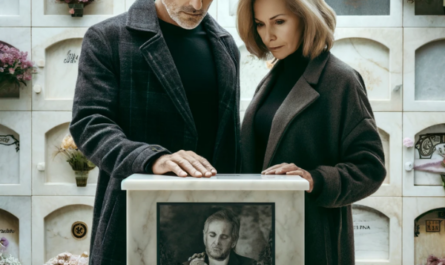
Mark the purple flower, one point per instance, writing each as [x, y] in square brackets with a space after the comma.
[408, 142]
[4, 242]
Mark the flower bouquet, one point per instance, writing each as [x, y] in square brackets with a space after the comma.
[76, 6]
[15, 69]
[6, 260]
[78, 162]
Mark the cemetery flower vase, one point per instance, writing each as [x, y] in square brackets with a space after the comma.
[76, 10]
[81, 178]
[9, 86]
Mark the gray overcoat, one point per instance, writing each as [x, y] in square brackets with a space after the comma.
[325, 126]
[130, 106]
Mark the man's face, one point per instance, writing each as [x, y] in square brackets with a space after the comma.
[187, 13]
[218, 240]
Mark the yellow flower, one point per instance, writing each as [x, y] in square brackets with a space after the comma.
[68, 143]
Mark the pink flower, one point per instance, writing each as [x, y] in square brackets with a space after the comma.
[435, 261]
[11, 71]
[408, 142]
[4, 242]
[71, 11]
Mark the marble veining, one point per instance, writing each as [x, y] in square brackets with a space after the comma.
[142, 208]
[429, 77]
[58, 237]
[9, 159]
[371, 60]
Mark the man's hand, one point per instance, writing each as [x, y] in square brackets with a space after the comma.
[290, 169]
[184, 163]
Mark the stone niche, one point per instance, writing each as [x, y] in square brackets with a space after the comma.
[360, 7]
[9, 228]
[429, 235]
[9, 156]
[62, 61]
[9, 8]
[371, 233]
[57, 169]
[429, 77]
[59, 236]
[384, 136]
[253, 70]
[371, 60]
[429, 151]
[429, 8]
[97, 7]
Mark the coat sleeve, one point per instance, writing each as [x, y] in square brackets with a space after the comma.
[95, 109]
[361, 168]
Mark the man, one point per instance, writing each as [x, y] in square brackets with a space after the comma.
[153, 82]
[221, 234]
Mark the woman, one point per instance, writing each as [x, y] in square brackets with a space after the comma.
[310, 116]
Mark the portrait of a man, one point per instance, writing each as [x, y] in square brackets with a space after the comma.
[221, 234]
[216, 233]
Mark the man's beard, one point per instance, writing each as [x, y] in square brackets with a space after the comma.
[220, 256]
[183, 20]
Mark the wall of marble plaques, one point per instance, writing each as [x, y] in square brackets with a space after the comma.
[398, 46]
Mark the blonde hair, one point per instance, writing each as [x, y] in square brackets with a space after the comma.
[319, 26]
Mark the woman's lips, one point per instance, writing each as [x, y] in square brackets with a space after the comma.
[275, 48]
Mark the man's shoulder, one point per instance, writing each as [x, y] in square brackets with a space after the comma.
[112, 25]
[241, 260]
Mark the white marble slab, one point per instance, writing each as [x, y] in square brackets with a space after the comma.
[15, 214]
[413, 124]
[52, 13]
[252, 69]
[142, 219]
[378, 230]
[390, 130]
[417, 249]
[19, 38]
[16, 13]
[377, 55]
[57, 177]
[394, 19]
[227, 10]
[57, 51]
[15, 169]
[411, 20]
[417, 46]
[51, 226]
[237, 182]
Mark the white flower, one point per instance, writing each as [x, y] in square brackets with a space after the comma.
[408, 142]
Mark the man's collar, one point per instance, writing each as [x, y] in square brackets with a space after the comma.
[142, 16]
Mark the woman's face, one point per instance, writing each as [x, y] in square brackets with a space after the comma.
[279, 28]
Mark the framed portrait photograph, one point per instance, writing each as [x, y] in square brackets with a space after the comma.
[197, 233]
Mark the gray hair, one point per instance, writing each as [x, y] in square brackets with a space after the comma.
[227, 215]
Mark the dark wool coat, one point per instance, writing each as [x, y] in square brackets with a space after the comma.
[325, 126]
[130, 106]
[234, 259]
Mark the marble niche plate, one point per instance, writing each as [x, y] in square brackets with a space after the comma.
[421, 182]
[427, 14]
[417, 249]
[367, 13]
[56, 176]
[56, 51]
[53, 217]
[54, 13]
[377, 55]
[15, 225]
[390, 130]
[19, 38]
[15, 13]
[424, 53]
[378, 230]
[15, 153]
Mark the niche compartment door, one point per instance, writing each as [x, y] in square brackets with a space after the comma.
[15, 13]
[56, 52]
[53, 175]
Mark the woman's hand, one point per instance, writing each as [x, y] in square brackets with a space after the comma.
[290, 169]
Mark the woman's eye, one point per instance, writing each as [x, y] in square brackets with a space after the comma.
[259, 25]
[279, 22]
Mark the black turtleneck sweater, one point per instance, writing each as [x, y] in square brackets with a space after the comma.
[291, 69]
[192, 53]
